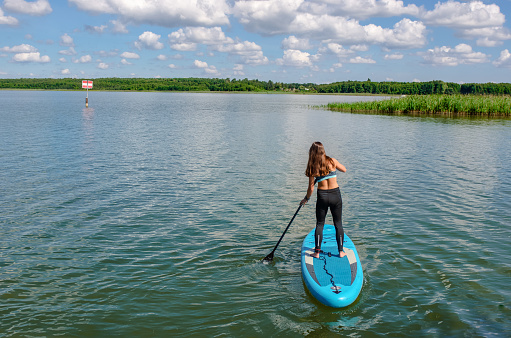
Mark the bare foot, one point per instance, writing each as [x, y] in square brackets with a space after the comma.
[315, 255]
[342, 254]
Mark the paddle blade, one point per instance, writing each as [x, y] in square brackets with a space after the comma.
[268, 258]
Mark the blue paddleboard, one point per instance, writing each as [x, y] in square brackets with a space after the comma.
[332, 280]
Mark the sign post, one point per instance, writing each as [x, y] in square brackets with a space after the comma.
[88, 85]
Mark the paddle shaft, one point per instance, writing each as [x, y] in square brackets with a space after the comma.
[270, 256]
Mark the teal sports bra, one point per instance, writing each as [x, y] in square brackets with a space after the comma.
[331, 174]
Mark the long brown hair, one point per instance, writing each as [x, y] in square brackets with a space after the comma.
[319, 164]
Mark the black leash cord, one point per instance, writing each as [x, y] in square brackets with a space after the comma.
[334, 287]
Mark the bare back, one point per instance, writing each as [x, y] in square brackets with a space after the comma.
[331, 183]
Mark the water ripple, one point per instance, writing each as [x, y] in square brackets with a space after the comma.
[149, 214]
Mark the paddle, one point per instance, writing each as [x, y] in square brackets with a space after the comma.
[269, 258]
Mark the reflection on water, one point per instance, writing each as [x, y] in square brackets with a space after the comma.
[150, 212]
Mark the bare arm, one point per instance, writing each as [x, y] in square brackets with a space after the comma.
[339, 166]
[310, 190]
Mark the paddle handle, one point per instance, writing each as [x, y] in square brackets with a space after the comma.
[291, 221]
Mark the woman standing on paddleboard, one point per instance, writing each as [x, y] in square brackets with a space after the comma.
[321, 169]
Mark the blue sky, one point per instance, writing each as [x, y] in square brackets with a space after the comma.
[319, 41]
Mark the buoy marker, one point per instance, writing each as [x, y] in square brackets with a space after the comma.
[88, 85]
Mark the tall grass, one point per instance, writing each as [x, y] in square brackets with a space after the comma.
[433, 104]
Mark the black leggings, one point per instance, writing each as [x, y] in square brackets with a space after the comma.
[329, 199]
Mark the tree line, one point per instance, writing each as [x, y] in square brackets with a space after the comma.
[246, 85]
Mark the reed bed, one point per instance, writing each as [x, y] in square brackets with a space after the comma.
[433, 104]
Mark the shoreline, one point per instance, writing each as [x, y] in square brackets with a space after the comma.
[199, 92]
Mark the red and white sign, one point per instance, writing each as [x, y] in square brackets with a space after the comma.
[87, 84]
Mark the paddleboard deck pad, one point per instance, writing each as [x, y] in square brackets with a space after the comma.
[332, 280]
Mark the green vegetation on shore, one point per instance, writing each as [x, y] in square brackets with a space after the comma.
[245, 85]
[153, 84]
[433, 104]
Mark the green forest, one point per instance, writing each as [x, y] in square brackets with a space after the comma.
[245, 85]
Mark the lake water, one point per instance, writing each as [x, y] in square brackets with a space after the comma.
[148, 214]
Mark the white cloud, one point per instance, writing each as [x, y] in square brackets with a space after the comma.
[405, 34]
[238, 69]
[63, 60]
[267, 17]
[23, 48]
[110, 53]
[69, 52]
[336, 49]
[295, 58]
[189, 38]
[306, 20]
[65, 71]
[66, 40]
[487, 37]
[118, 27]
[447, 56]
[292, 42]
[360, 48]
[360, 59]
[125, 62]
[184, 47]
[130, 55]
[254, 58]
[162, 57]
[7, 20]
[473, 14]
[96, 29]
[83, 59]
[200, 35]
[283, 17]
[37, 8]
[166, 13]
[172, 66]
[204, 65]
[487, 42]
[102, 65]
[211, 70]
[395, 56]
[337, 21]
[504, 59]
[471, 20]
[249, 52]
[200, 64]
[31, 57]
[364, 9]
[149, 40]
